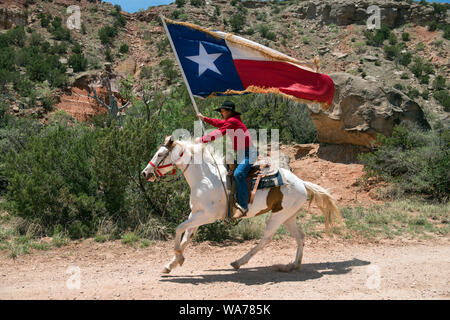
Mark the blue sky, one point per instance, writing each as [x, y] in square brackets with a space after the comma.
[135, 5]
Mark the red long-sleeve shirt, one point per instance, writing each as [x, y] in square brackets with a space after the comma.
[235, 129]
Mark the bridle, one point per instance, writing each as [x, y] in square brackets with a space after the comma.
[158, 167]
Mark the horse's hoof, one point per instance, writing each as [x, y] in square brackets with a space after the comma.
[166, 270]
[235, 265]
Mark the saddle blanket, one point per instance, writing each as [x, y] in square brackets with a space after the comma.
[268, 182]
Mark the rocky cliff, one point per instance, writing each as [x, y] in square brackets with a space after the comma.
[361, 109]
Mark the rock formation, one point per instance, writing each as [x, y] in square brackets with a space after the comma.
[361, 109]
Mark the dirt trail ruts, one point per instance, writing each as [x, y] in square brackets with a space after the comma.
[416, 270]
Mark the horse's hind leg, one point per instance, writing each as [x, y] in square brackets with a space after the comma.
[299, 235]
[274, 222]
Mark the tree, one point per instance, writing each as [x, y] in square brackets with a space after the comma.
[113, 106]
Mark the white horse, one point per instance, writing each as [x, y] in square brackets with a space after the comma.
[208, 201]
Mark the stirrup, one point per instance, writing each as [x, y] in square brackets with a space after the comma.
[239, 212]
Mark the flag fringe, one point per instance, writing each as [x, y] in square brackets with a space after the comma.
[256, 89]
[270, 53]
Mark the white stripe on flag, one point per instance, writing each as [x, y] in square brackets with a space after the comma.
[245, 49]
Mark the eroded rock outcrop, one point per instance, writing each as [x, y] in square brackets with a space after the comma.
[361, 109]
[78, 101]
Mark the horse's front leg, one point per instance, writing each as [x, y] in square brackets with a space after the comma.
[178, 258]
[190, 226]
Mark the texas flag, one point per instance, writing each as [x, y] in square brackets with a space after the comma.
[216, 62]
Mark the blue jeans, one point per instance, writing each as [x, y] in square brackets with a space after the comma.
[244, 163]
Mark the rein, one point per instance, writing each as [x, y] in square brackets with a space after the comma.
[157, 167]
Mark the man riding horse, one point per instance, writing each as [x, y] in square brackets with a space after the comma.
[233, 126]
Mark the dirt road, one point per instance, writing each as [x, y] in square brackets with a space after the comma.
[90, 270]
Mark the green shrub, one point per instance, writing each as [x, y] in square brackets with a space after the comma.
[61, 34]
[439, 83]
[391, 52]
[162, 46]
[424, 79]
[107, 34]
[124, 48]
[420, 46]
[419, 67]
[405, 36]
[416, 161]
[54, 183]
[377, 38]
[392, 39]
[45, 19]
[405, 58]
[237, 22]
[180, 3]
[266, 31]
[168, 69]
[120, 21]
[398, 86]
[446, 34]
[14, 134]
[443, 97]
[35, 39]
[146, 72]
[432, 25]
[108, 55]
[130, 238]
[7, 59]
[77, 49]
[17, 36]
[197, 3]
[412, 92]
[404, 75]
[78, 62]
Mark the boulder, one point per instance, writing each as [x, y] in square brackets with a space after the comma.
[361, 109]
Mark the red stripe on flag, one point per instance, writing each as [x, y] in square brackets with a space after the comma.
[287, 78]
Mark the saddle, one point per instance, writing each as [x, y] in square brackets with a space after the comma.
[262, 175]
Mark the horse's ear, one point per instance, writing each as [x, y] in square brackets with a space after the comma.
[168, 141]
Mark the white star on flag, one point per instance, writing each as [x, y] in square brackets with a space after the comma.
[205, 61]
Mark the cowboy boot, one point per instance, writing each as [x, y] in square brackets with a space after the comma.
[239, 212]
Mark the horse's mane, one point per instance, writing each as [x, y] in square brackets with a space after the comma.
[197, 148]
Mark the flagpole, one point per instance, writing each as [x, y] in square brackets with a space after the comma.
[228, 213]
[181, 68]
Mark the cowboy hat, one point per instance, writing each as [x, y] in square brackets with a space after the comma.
[228, 105]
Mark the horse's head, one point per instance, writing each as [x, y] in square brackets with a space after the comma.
[163, 162]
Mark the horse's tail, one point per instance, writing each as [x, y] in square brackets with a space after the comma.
[325, 202]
